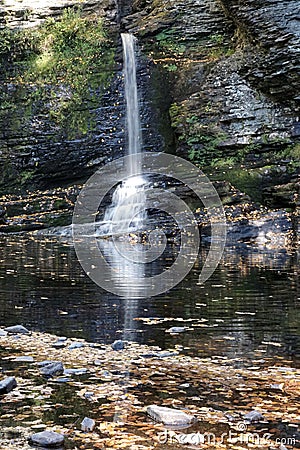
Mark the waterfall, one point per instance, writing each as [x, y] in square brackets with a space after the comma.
[124, 214]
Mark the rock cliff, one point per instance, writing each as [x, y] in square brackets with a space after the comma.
[223, 92]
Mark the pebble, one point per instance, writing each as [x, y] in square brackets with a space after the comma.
[118, 345]
[51, 368]
[254, 416]
[7, 385]
[28, 359]
[47, 439]
[87, 424]
[75, 371]
[177, 330]
[39, 426]
[17, 329]
[170, 416]
[76, 345]
[88, 394]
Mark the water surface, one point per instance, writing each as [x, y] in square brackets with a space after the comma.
[249, 308]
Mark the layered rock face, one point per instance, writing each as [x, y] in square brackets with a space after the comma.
[235, 77]
[54, 133]
[223, 73]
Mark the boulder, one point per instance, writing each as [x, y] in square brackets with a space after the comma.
[7, 385]
[170, 416]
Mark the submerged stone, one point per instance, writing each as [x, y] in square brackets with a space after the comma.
[87, 424]
[170, 416]
[47, 439]
[17, 329]
[7, 385]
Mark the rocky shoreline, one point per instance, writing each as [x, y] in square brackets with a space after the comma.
[91, 395]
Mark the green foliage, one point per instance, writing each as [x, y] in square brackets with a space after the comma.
[66, 62]
[202, 141]
[169, 42]
[16, 45]
[246, 180]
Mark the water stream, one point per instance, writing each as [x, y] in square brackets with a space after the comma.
[126, 212]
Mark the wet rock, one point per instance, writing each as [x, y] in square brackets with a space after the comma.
[17, 329]
[7, 385]
[253, 416]
[76, 345]
[3, 333]
[170, 416]
[118, 345]
[51, 368]
[47, 439]
[87, 424]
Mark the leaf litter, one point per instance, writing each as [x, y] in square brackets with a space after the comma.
[117, 386]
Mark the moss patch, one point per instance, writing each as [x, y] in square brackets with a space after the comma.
[65, 64]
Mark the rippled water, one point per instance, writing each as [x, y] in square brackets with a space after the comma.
[249, 307]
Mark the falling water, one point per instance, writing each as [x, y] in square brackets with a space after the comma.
[125, 213]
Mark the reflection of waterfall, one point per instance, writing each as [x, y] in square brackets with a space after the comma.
[126, 211]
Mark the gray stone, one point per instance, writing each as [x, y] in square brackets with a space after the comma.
[253, 416]
[88, 394]
[118, 345]
[7, 385]
[28, 359]
[170, 416]
[47, 439]
[17, 329]
[76, 345]
[87, 424]
[52, 368]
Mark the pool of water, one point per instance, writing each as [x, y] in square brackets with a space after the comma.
[249, 308]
